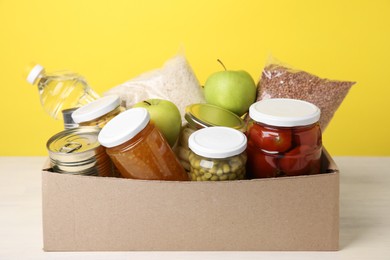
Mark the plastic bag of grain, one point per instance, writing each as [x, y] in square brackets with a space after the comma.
[174, 81]
[279, 80]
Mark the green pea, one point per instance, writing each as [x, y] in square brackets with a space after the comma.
[226, 168]
[214, 178]
[233, 176]
[223, 178]
[219, 172]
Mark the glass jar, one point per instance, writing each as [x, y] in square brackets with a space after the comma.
[284, 138]
[98, 112]
[138, 149]
[217, 154]
[199, 116]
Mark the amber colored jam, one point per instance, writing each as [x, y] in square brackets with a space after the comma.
[283, 151]
[147, 156]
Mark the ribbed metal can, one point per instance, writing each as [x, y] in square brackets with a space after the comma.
[78, 151]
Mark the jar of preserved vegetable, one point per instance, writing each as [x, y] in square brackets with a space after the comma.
[284, 138]
[138, 149]
[199, 116]
[217, 154]
[98, 112]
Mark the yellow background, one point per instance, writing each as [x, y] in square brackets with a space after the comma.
[110, 42]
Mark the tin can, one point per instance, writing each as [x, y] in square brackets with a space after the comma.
[77, 151]
[68, 120]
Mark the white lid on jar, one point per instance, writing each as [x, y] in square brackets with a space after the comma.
[284, 112]
[217, 142]
[124, 127]
[96, 109]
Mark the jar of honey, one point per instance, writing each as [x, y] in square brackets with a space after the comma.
[284, 138]
[138, 149]
[98, 112]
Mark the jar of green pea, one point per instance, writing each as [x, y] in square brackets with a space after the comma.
[217, 154]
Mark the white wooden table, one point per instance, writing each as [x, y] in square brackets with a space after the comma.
[364, 216]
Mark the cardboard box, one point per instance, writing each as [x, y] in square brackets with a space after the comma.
[84, 213]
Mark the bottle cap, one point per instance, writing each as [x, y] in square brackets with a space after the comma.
[96, 109]
[34, 73]
[217, 142]
[284, 112]
[124, 126]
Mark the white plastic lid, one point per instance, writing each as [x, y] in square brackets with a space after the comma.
[284, 112]
[217, 142]
[96, 108]
[34, 73]
[123, 127]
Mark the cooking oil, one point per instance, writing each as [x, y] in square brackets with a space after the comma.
[60, 90]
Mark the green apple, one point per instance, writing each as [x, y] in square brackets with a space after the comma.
[166, 117]
[232, 90]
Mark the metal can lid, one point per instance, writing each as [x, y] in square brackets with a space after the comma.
[74, 145]
[206, 115]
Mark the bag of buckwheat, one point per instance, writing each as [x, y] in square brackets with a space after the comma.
[281, 81]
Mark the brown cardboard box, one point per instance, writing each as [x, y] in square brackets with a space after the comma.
[82, 213]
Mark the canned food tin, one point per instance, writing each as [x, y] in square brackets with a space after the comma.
[77, 151]
[68, 120]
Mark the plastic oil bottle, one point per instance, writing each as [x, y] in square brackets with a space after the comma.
[60, 90]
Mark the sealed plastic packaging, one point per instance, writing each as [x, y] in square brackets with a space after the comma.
[217, 154]
[279, 80]
[98, 112]
[284, 138]
[138, 149]
[174, 81]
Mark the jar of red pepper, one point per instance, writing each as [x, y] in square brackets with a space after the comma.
[284, 138]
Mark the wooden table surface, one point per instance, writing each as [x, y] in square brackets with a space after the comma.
[364, 216]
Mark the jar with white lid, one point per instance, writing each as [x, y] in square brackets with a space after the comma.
[138, 149]
[98, 112]
[284, 138]
[199, 116]
[217, 154]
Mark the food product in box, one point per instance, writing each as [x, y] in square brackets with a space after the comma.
[281, 81]
[175, 82]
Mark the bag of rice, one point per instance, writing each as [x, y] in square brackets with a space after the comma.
[282, 81]
[175, 81]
